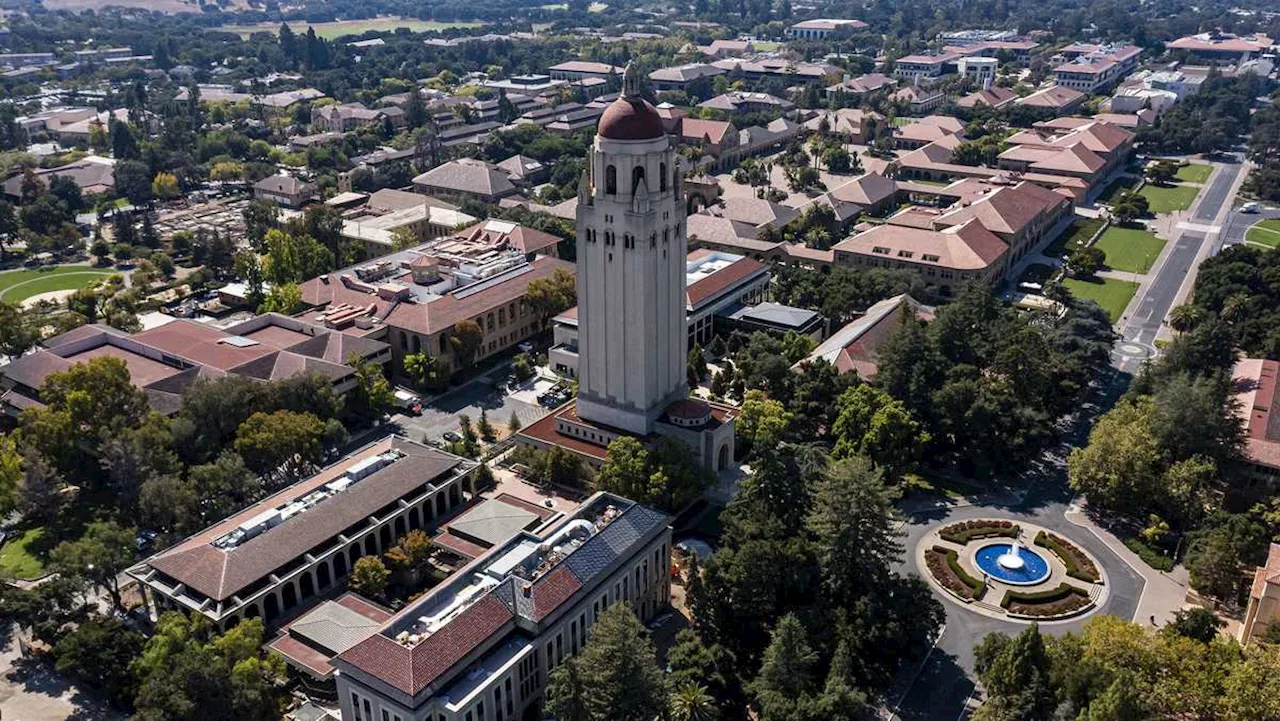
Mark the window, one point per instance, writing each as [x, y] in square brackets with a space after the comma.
[611, 180]
[931, 258]
[662, 177]
[385, 716]
[637, 177]
[880, 250]
[905, 254]
[355, 707]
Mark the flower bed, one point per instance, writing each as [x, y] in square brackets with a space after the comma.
[966, 531]
[944, 564]
[1061, 601]
[1078, 565]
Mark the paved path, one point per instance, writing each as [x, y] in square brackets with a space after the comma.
[32, 691]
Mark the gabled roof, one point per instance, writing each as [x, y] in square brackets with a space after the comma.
[994, 97]
[1007, 210]
[855, 347]
[964, 247]
[1054, 96]
[712, 131]
[468, 175]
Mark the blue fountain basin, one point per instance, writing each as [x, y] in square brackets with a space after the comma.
[1035, 569]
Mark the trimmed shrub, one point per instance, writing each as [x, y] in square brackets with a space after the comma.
[1054, 602]
[1149, 555]
[1078, 565]
[966, 531]
[944, 564]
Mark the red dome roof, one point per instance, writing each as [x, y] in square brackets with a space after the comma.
[689, 409]
[630, 120]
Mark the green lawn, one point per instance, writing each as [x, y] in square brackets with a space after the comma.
[338, 28]
[23, 556]
[1194, 172]
[1168, 198]
[18, 285]
[1079, 232]
[1265, 232]
[1113, 295]
[1130, 249]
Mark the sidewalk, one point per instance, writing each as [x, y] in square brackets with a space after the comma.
[1162, 595]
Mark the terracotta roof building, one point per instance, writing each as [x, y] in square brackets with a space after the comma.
[414, 297]
[946, 259]
[164, 361]
[466, 178]
[1263, 609]
[481, 644]
[861, 85]
[1223, 47]
[1060, 99]
[993, 97]
[281, 552]
[820, 28]
[855, 347]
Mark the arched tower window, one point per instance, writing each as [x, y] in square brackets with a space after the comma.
[662, 177]
[637, 175]
[611, 180]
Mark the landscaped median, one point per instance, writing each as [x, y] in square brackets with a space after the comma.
[1265, 233]
[1078, 565]
[965, 531]
[1065, 600]
[944, 565]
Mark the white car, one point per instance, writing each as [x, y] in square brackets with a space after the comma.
[1250, 207]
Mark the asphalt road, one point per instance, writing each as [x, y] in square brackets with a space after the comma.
[1157, 297]
[944, 683]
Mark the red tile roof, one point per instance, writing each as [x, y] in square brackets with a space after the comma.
[412, 669]
[552, 590]
[718, 281]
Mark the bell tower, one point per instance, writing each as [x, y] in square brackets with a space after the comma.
[631, 269]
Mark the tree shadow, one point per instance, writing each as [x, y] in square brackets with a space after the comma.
[938, 693]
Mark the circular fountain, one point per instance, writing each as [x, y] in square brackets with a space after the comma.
[1012, 563]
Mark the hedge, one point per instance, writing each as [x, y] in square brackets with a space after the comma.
[965, 531]
[1078, 565]
[1043, 597]
[973, 588]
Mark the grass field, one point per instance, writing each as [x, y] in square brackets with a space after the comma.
[1113, 295]
[18, 285]
[1194, 172]
[1080, 231]
[1130, 249]
[1265, 232]
[338, 28]
[1167, 199]
[21, 556]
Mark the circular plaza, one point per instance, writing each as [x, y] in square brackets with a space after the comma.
[1011, 570]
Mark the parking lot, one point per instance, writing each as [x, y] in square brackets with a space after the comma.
[486, 393]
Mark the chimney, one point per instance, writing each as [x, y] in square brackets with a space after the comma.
[526, 588]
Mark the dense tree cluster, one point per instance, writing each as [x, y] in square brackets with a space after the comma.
[1209, 121]
[799, 612]
[987, 382]
[1114, 670]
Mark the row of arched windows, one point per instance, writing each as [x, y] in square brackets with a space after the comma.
[637, 175]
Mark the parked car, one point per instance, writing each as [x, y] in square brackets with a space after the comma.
[452, 437]
[1250, 207]
[525, 347]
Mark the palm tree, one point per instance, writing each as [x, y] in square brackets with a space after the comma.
[1185, 317]
[691, 702]
[1234, 307]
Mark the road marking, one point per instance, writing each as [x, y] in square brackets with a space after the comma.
[1200, 227]
[920, 669]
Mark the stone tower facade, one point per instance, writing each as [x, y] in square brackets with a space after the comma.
[631, 270]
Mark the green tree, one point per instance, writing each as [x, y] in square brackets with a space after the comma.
[189, 673]
[1119, 469]
[618, 678]
[18, 334]
[485, 428]
[762, 422]
[165, 186]
[466, 339]
[1016, 673]
[373, 394]
[626, 469]
[853, 524]
[1087, 261]
[691, 702]
[282, 445]
[872, 423]
[513, 423]
[97, 653]
[369, 576]
[789, 673]
[100, 556]
[551, 296]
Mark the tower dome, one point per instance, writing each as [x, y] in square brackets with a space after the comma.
[630, 117]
